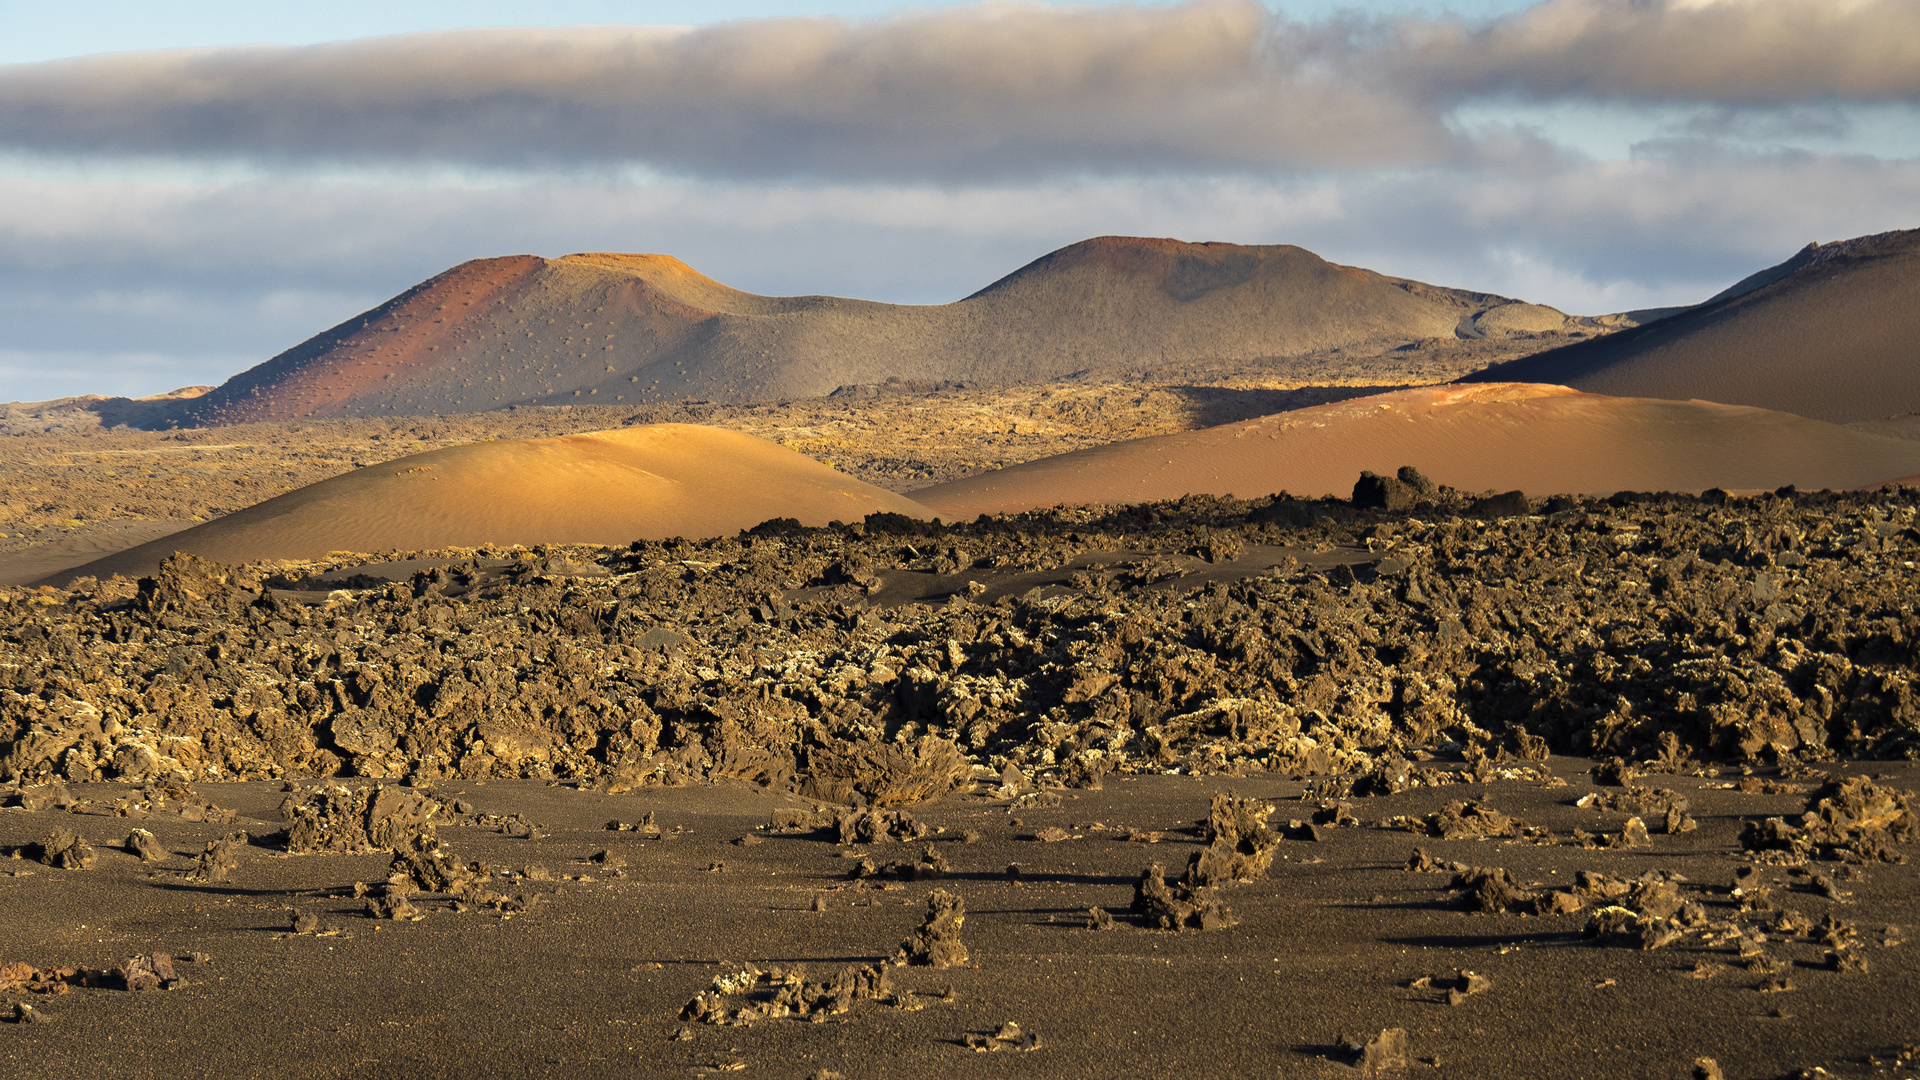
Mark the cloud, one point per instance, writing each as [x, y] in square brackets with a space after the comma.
[1718, 51]
[997, 90]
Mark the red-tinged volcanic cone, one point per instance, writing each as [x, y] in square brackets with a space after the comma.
[630, 329]
[605, 487]
[1833, 333]
[484, 335]
[1490, 436]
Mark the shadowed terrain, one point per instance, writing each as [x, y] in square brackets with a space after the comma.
[1833, 333]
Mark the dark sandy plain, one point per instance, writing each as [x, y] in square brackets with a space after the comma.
[1337, 943]
[1653, 751]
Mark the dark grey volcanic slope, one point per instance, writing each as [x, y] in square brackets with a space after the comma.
[646, 328]
[1832, 334]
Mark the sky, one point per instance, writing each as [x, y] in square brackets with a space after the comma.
[188, 189]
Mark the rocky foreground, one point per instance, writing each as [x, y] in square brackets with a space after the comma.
[883, 660]
[1266, 785]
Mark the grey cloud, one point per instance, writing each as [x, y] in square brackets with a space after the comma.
[1727, 51]
[1001, 89]
[1006, 90]
[1614, 235]
[1769, 125]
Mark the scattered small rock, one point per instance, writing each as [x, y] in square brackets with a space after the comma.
[18, 977]
[1472, 821]
[647, 826]
[1190, 903]
[341, 820]
[49, 796]
[66, 851]
[393, 901]
[1008, 1038]
[1384, 1054]
[879, 826]
[1846, 960]
[148, 971]
[142, 843]
[1492, 889]
[937, 943]
[1240, 843]
[784, 993]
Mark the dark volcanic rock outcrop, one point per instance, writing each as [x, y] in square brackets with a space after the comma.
[1653, 629]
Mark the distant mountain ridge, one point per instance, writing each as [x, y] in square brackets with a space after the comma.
[1832, 333]
[600, 327]
[1811, 255]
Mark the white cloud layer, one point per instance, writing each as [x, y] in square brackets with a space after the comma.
[993, 90]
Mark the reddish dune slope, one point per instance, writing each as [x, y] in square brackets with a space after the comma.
[1833, 333]
[1499, 436]
[606, 487]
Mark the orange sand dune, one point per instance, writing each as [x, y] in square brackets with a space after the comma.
[1537, 438]
[605, 487]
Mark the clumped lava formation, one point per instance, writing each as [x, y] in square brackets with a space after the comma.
[1650, 628]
